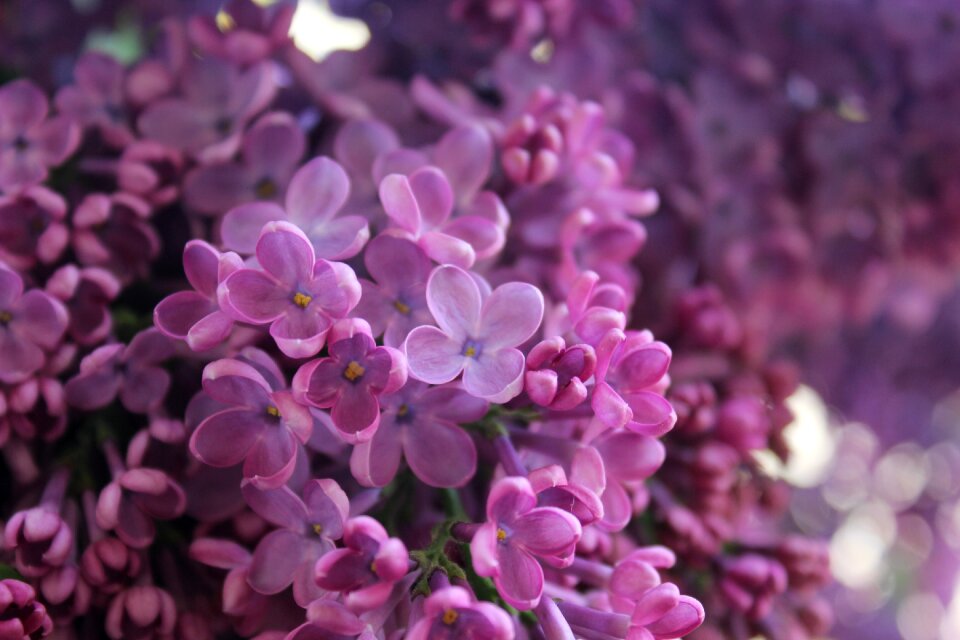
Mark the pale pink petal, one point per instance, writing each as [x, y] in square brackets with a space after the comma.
[316, 192]
[399, 202]
[511, 315]
[496, 376]
[454, 300]
[432, 356]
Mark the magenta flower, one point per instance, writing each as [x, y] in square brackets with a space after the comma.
[270, 152]
[96, 98]
[395, 301]
[476, 336]
[108, 565]
[239, 599]
[133, 371]
[36, 407]
[577, 492]
[351, 380]
[32, 227]
[40, 539]
[628, 458]
[366, 569]
[129, 505]
[317, 192]
[87, 293]
[307, 530]
[451, 614]
[421, 424]
[22, 617]
[195, 316]
[298, 295]
[516, 533]
[751, 583]
[30, 323]
[150, 171]
[556, 374]
[421, 205]
[113, 232]
[260, 427]
[142, 611]
[31, 143]
[253, 32]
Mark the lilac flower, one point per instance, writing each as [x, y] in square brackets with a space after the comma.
[151, 171]
[22, 617]
[96, 99]
[660, 613]
[129, 505]
[240, 601]
[108, 565]
[476, 336]
[366, 569]
[143, 611]
[317, 191]
[450, 613]
[421, 205]
[87, 293]
[517, 532]
[253, 32]
[395, 301]
[270, 151]
[628, 458]
[592, 308]
[298, 295]
[195, 316]
[65, 593]
[132, 371]
[577, 492]
[260, 427]
[39, 537]
[308, 529]
[556, 374]
[351, 379]
[112, 232]
[751, 582]
[421, 424]
[218, 100]
[29, 323]
[31, 143]
[36, 407]
[32, 227]
[744, 423]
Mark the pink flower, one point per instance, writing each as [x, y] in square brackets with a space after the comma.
[450, 613]
[477, 337]
[87, 293]
[253, 34]
[296, 294]
[144, 611]
[30, 323]
[556, 374]
[30, 143]
[22, 617]
[129, 505]
[151, 171]
[97, 98]
[113, 232]
[516, 533]
[32, 227]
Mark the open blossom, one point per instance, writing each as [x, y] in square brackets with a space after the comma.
[351, 380]
[30, 323]
[296, 294]
[315, 195]
[109, 565]
[96, 98]
[195, 316]
[451, 613]
[476, 336]
[151, 171]
[259, 426]
[30, 142]
[421, 424]
[516, 533]
[32, 227]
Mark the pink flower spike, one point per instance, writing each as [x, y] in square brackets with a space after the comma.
[475, 336]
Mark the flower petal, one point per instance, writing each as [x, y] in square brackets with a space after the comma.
[432, 356]
[495, 376]
[317, 191]
[454, 300]
[242, 225]
[439, 453]
[511, 315]
[285, 253]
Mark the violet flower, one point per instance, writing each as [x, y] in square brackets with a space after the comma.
[195, 316]
[32, 227]
[129, 505]
[260, 427]
[368, 566]
[109, 565]
[577, 492]
[477, 337]
[131, 371]
[248, 607]
[516, 533]
[65, 593]
[298, 295]
[751, 582]
[556, 373]
[316, 193]
[36, 407]
[39, 537]
[30, 323]
[143, 611]
[351, 379]
[628, 458]
[151, 171]
[308, 529]
[421, 424]
[452, 614]
[96, 98]
[395, 301]
[22, 617]
[270, 151]
[87, 293]
[252, 32]
[30, 142]
[112, 232]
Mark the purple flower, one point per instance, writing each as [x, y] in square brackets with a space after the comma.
[108, 565]
[351, 379]
[751, 582]
[516, 533]
[32, 227]
[21, 616]
[30, 323]
[476, 336]
[239, 598]
[65, 593]
[260, 427]
[451, 614]
[113, 232]
[298, 295]
[421, 205]
[30, 143]
[317, 191]
[36, 407]
[252, 33]
[577, 492]
[628, 458]
[132, 371]
[556, 374]
[195, 316]
[395, 301]
[218, 100]
[145, 612]
[744, 422]
[366, 569]
[151, 171]
[39, 538]
[96, 98]
[270, 151]
[421, 424]
[307, 530]
[87, 293]
[129, 505]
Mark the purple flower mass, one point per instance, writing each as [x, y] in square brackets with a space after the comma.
[510, 320]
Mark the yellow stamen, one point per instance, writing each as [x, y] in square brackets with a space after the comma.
[401, 307]
[450, 616]
[318, 529]
[301, 300]
[470, 352]
[353, 371]
[373, 567]
[501, 535]
[273, 411]
[266, 188]
[403, 410]
[225, 21]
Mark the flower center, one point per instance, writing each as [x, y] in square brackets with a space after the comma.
[373, 567]
[472, 349]
[5, 317]
[20, 143]
[402, 307]
[301, 300]
[273, 412]
[317, 529]
[501, 535]
[403, 410]
[266, 188]
[354, 371]
[450, 616]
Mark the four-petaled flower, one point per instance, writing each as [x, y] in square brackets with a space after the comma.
[450, 613]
